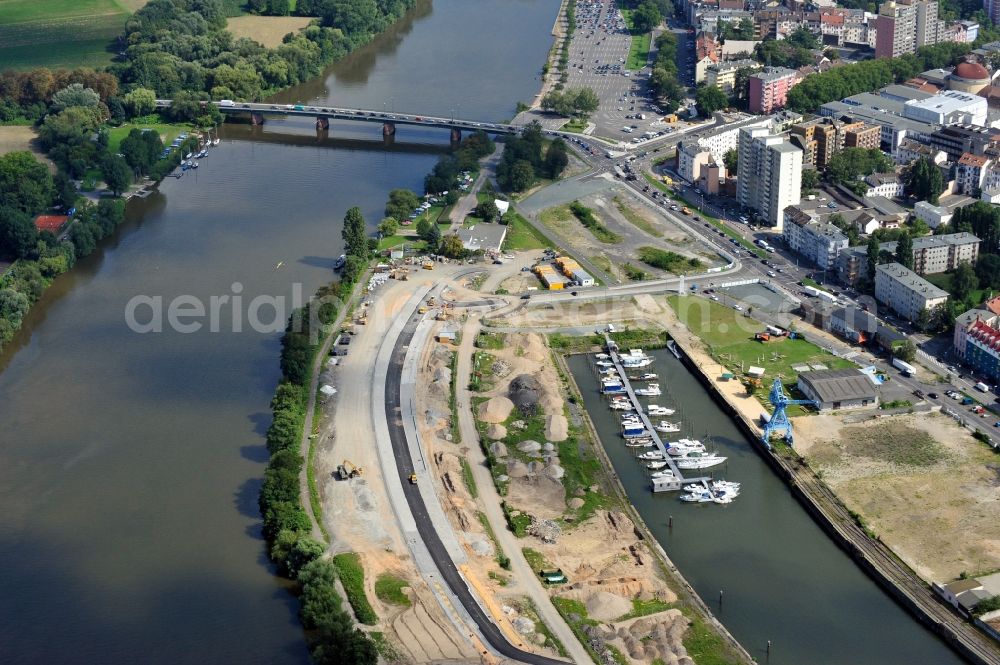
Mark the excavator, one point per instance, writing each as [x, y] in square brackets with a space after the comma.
[347, 470]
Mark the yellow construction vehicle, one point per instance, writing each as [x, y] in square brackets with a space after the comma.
[413, 479]
[347, 470]
[428, 265]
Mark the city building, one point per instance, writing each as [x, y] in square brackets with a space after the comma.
[862, 135]
[889, 185]
[958, 139]
[486, 237]
[931, 255]
[770, 174]
[932, 215]
[821, 138]
[838, 389]
[818, 242]
[893, 127]
[723, 74]
[722, 140]
[928, 26]
[968, 76]
[992, 9]
[964, 323]
[906, 25]
[697, 165]
[905, 292]
[948, 108]
[853, 324]
[970, 173]
[911, 150]
[982, 349]
[768, 90]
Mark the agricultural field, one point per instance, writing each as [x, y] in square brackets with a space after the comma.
[266, 30]
[61, 33]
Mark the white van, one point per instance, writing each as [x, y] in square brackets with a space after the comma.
[610, 328]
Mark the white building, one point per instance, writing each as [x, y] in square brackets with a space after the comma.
[770, 174]
[818, 242]
[721, 141]
[948, 108]
[888, 185]
[932, 215]
[905, 292]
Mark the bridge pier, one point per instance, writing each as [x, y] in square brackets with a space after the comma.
[322, 123]
[456, 135]
[388, 129]
[256, 118]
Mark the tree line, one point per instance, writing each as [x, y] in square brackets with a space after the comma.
[524, 161]
[663, 79]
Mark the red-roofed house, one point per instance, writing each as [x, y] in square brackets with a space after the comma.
[983, 349]
[970, 172]
[51, 223]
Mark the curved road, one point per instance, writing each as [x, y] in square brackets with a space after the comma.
[404, 465]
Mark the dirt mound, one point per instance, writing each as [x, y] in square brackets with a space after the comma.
[533, 348]
[517, 469]
[496, 431]
[556, 428]
[525, 391]
[496, 409]
[605, 606]
[554, 471]
[498, 449]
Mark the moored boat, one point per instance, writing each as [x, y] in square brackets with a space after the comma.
[698, 460]
[655, 410]
[666, 427]
[652, 390]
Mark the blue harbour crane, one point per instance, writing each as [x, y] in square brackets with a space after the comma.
[779, 419]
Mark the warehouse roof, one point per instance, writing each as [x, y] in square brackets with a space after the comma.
[838, 385]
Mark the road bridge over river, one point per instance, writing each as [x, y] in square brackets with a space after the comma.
[257, 112]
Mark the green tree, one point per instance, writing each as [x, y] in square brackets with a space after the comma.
[452, 247]
[139, 102]
[25, 183]
[645, 18]
[424, 227]
[906, 351]
[338, 643]
[904, 250]
[585, 101]
[964, 281]
[874, 258]
[75, 95]
[117, 174]
[710, 99]
[487, 211]
[353, 233]
[522, 176]
[556, 159]
[988, 270]
[731, 160]
[18, 235]
[810, 179]
[803, 38]
[278, 8]
[433, 238]
[388, 227]
[401, 203]
[924, 181]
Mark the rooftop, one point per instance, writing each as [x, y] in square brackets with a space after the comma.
[838, 385]
[911, 280]
[483, 236]
[774, 74]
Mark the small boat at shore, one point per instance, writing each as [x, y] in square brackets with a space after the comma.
[639, 443]
[602, 356]
[685, 446]
[651, 455]
[622, 405]
[648, 376]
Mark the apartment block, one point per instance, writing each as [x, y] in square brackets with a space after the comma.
[905, 292]
[723, 75]
[964, 324]
[931, 254]
[821, 138]
[818, 242]
[769, 89]
[862, 135]
[970, 173]
[958, 139]
[903, 26]
[770, 174]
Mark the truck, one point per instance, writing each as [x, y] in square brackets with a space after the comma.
[982, 387]
[820, 293]
[686, 210]
[904, 367]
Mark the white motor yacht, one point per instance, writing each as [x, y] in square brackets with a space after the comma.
[652, 390]
[698, 460]
[656, 410]
[651, 455]
[666, 427]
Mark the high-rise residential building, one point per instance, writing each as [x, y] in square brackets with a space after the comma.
[992, 8]
[770, 174]
[825, 136]
[768, 90]
[903, 26]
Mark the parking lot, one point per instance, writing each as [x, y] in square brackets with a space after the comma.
[598, 52]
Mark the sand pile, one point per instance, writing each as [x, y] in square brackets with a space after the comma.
[605, 606]
[533, 348]
[496, 409]
[529, 446]
[496, 431]
[498, 449]
[556, 428]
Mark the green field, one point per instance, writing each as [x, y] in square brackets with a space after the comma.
[638, 52]
[59, 33]
[730, 337]
[521, 236]
[167, 133]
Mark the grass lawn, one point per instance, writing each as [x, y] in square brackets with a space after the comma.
[638, 52]
[730, 337]
[59, 33]
[396, 240]
[575, 125]
[522, 236]
[389, 589]
[636, 219]
[167, 133]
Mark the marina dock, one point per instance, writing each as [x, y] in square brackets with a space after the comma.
[678, 480]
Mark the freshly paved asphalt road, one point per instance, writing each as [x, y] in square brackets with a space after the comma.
[425, 528]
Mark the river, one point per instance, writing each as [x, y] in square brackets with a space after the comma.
[130, 463]
[783, 579]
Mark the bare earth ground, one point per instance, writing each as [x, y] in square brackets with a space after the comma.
[607, 563]
[266, 30]
[927, 488]
[16, 137]
[357, 512]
